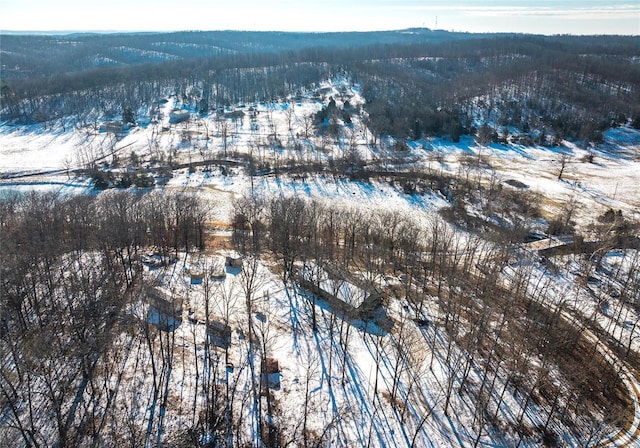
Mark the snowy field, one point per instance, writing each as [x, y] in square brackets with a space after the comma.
[277, 133]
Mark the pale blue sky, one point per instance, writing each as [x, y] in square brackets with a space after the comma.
[526, 16]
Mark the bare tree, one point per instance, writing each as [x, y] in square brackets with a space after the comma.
[564, 159]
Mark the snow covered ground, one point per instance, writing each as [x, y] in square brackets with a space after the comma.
[343, 377]
[276, 133]
[340, 375]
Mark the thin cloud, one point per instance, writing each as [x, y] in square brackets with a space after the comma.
[629, 11]
[626, 11]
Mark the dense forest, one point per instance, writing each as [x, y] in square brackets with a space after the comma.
[27, 55]
[417, 83]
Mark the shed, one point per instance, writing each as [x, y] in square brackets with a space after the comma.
[331, 284]
[179, 116]
[234, 262]
[154, 260]
[218, 271]
[165, 310]
[219, 334]
[271, 374]
[164, 302]
[196, 277]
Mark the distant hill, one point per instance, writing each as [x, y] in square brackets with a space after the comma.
[26, 55]
[417, 82]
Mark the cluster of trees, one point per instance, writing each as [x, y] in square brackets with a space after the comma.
[72, 272]
[572, 91]
[82, 98]
[70, 268]
[494, 338]
[87, 360]
[105, 179]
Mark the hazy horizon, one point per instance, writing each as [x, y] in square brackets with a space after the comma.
[538, 17]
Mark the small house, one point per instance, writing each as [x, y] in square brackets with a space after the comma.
[164, 302]
[112, 126]
[234, 262]
[346, 294]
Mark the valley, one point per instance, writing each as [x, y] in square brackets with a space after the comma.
[346, 257]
